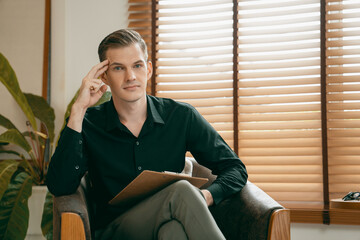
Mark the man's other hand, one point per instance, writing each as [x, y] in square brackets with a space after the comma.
[208, 197]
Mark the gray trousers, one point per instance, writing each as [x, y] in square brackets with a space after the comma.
[179, 211]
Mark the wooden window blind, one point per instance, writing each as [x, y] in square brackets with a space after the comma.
[343, 95]
[286, 98]
[140, 20]
[194, 52]
[279, 99]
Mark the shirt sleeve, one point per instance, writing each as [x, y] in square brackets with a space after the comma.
[68, 164]
[210, 150]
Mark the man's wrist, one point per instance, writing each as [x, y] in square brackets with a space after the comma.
[76, 117]
[208, 197]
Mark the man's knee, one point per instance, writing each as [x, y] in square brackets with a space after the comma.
[172, 229]
[183, 185]
[185, 192]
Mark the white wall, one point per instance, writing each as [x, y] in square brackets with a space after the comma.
[77, 29]
[21, 42]
[324, 232]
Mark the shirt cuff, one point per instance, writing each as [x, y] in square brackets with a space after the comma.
[71, 139]
[216, 192]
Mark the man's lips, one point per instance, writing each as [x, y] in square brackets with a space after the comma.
[131, 87]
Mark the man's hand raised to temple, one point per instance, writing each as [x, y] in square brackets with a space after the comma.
[90, 92]
[91, 88]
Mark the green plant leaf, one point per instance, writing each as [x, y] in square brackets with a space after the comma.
[43, 112]
[6, 123]
[104, 98]
[15, 137]
[7, 169]
[9, 79]
[32, 136]
[10, 152]
[14, 210]
[47, 217]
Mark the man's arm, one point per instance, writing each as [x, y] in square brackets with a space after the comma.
[69, 162]
[90, 92]
[211, 151]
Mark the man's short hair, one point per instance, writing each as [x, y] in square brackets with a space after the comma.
[121, 38]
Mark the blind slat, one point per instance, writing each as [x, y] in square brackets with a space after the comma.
[279, 134]
[284, 142]
[283, 160]
[195, 78]
[279, 99]
[280, 125]
[279, 73]
[194, 62]
[275, 91]
[278, 108]
[197, 53]
[300, 151]
[278, 56]
[202, 69]
[204, 94]
[283, 64]
[285, 169]
[199, 86]
[279, 116]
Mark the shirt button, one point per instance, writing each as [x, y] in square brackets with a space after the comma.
[137, 143]
[139, 168]
[77, 167]
[80, 141]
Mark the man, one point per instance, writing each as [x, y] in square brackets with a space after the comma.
[119, 139]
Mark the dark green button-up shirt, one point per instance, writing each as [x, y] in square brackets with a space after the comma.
[113, 156]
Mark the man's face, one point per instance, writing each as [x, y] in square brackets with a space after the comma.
[128, 73]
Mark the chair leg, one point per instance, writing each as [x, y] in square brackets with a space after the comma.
[279, 226]
[72, 227]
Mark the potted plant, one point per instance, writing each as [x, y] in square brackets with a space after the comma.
[30, 163]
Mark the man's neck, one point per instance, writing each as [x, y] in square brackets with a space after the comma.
[132, 114]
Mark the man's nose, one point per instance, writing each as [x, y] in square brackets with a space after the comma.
[130, 75]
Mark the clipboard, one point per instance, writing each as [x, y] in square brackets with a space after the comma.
[149, 182]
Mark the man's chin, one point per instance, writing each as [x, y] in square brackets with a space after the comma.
[131, 99]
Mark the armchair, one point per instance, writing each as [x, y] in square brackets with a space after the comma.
[249, 214]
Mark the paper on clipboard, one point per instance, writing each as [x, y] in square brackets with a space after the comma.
[148, 183]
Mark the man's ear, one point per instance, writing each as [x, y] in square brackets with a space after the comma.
[149, 70]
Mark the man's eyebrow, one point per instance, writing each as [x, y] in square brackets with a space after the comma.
[139, 61]
[120, 64]
[115, 63]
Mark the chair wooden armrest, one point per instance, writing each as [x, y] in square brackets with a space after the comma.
[72, 226]
[279, 226]
[71, 218]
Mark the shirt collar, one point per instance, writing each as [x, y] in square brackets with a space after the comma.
[113, 119]
[153, 112]
[111, 116]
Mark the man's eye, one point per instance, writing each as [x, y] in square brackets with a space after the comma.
[117, 68]
[138, 65]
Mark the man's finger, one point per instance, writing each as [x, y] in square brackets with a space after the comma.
[94, 85]
[101, 71]
[96, 68]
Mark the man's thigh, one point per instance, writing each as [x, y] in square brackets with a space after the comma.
[180, 201]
